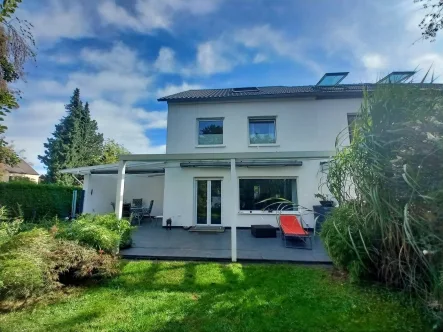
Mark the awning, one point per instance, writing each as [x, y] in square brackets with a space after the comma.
[132, 167]
[241, 163]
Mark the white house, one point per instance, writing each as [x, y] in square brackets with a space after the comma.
[228, 150]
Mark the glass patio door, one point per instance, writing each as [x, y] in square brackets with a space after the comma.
[208, 201]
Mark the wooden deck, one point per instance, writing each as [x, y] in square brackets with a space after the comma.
[154, 242]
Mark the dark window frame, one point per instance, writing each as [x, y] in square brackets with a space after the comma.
[263, 120]
[199, 120]
[253, 190]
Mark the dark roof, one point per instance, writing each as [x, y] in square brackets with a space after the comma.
[337, 91]
[21, 168]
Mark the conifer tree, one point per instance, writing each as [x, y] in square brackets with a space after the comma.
[75, 142]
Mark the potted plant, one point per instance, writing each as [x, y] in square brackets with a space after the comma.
[325, 200]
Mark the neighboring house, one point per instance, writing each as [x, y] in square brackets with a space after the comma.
[21, 170]
[229, 149]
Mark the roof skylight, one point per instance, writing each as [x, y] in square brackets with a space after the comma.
[246, 89]
[331, 79]
[397, 77]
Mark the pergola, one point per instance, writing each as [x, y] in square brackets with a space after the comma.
[231, 160]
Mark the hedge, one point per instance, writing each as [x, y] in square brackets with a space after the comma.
[36, 201]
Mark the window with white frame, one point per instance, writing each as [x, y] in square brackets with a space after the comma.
[261, 193]
[262, 130]
[210, 131]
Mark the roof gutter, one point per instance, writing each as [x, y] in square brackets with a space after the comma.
[182, 157]
[316, 95]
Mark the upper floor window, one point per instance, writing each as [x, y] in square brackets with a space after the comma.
[210, 131]
[262, 130]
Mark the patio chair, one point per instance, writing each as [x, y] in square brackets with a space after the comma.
[291, 227]
[147, 211]
[137, 209]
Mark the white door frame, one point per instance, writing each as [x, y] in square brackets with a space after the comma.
[208, 200]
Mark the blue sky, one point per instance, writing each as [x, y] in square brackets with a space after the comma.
[123, 55]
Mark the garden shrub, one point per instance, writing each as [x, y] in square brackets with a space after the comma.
[103, 232]
[110, 221]
[346, 242]
[33, 262]
[21, 276]
[35, 201]
[392, 176]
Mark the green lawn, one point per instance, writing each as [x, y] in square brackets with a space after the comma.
[179, 296]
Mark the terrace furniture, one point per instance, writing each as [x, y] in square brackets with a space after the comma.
[126, 210]
[147, 211]
[137, 209]
[291, 228]
[263, 231]
[320, 214]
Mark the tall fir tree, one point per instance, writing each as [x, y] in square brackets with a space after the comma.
[91, 147]
[75, 142]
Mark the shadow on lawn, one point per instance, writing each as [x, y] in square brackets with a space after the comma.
[237, 296]
[158, 296]
[78, 319]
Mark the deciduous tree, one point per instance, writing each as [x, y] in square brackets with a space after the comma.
[432, 22]
[16, 47]
[111, 151]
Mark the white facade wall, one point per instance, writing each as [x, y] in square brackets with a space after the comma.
[100, 191]
[302, 125]
[180, 192]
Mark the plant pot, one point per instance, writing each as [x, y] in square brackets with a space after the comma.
[327, 203]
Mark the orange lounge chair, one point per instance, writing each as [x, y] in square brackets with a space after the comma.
[291, 227]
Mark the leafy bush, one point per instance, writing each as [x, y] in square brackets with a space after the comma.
[35, 201]
[21, 276]
[346, 242]
[392, 178]
[103, 232]
[34, 262]
[8, 227]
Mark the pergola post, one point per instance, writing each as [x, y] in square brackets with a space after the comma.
[87, 194]
[233, 215]
[120, 189]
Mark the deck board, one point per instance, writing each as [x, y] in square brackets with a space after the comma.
[154, 242]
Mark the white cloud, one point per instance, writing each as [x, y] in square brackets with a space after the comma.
[117, 74]
[119, 58]
[153, 119]
[214, 57]
[271, 42]
[119, 87]
[128, 125]
[148, 15]
[374, 50]
[165, 61]
[58, 19]
[374, 61]
[259, 58]
[171, 89]
[116, 80]
[31, 125]
[428, 60]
